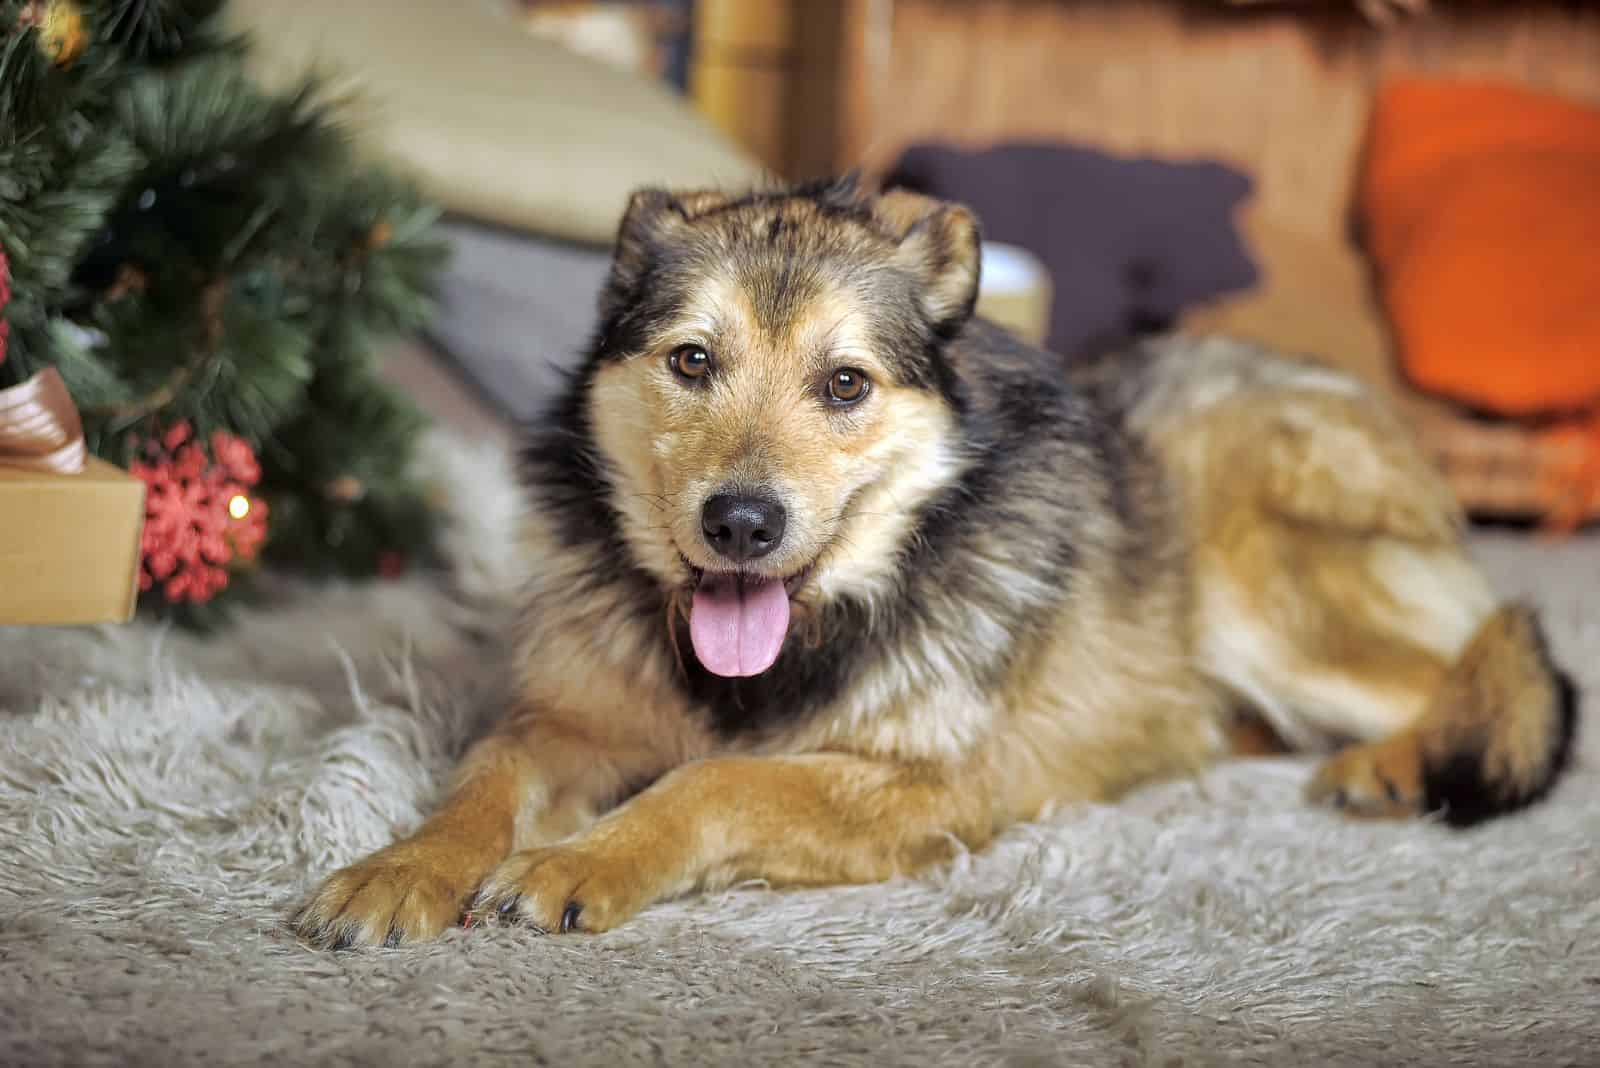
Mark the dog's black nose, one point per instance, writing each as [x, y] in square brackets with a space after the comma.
[742, 528]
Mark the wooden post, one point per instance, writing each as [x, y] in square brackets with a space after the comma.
[768, 73]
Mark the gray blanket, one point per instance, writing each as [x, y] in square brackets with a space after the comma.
[164, 800]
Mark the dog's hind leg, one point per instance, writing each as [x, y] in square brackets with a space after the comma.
[1330, 638]
[1493, 736]
[528, 783]
[1332, 591]
[1337, 597]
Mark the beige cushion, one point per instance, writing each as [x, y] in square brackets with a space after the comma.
[491, 121]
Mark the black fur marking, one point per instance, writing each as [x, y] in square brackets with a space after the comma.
[1568, 698]
[800, 682]
[572, 486]
[838, 198]
[780, 287]
[1463, 794]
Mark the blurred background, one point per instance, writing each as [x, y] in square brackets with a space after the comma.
[317, 227]
[1397, 187]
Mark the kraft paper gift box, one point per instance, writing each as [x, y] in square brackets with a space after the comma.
[69, 523]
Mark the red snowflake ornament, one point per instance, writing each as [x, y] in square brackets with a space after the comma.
[199, 516]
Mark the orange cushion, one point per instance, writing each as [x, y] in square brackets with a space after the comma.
[1481, 206]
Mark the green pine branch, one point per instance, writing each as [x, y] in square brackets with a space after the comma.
[185, 246]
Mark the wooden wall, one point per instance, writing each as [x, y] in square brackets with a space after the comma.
[812, 86]
[1284, 93]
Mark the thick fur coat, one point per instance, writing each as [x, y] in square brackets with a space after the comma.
[832, 578]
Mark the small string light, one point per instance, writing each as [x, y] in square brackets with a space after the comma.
[239, 506]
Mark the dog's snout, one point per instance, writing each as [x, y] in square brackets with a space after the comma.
[741, 527]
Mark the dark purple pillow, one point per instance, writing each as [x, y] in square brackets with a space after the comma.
[1130, 243]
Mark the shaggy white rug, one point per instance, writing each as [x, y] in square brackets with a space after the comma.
[165, 800]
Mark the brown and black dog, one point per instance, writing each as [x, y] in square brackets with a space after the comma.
[831, 578]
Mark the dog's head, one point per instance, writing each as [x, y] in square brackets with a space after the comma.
[772, 399]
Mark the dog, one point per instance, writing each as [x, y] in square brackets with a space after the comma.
[831, 579]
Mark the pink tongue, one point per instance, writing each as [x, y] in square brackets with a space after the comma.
[738, 624]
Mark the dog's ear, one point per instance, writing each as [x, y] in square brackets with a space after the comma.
[939, 246]
[653, 218]
[650, 218]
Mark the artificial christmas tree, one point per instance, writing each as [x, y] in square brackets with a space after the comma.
[201, 259]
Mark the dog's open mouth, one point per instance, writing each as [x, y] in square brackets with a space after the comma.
[738, 620]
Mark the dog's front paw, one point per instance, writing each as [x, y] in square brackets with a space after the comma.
[565, 888]
[407, 893]
[1381, 780]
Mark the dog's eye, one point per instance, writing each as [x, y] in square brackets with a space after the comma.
[847, 386]
[690, 361]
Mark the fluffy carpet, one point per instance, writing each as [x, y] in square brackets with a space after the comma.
[164, 800]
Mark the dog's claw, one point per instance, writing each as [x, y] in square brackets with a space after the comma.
[569, 917]
[315, 935]
[410, 892]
